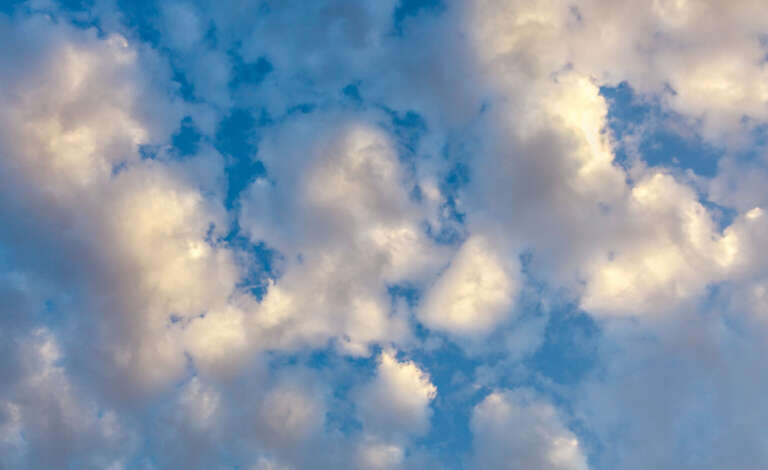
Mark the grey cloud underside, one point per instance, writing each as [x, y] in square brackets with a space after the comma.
[438, 186]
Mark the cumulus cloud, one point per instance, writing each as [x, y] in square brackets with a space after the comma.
[348, 229]
[73, 167]
[474, 293]
[48, 419]
[516, 429]
[397, 401]
[674, 261]
[392, 407]
[681, 51]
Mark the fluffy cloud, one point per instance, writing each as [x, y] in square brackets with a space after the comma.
[516, 429]
[474, 293]
[681, 51]
[651, 243]
[392, 407]
[397, 401]
[675, 260]
[73, 167]
[347, 229]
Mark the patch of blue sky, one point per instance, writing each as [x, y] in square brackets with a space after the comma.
[142, 17]
[758, 138]
[409, 8]
[570, 348]
[184, 87]
[187, 140]
[237, 138]
[8, 7]
[452, 228]
[261, 264]
[661, 138]
[55, 311]
[352, 92]
[404, 292]
[248, 73]
[409, 127]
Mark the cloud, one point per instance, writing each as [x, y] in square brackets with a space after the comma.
[184, 26]
[347, 228]
[516, 429]
[393, 407]
[396, 402]
[72, 168]
[687, 387]
[681, 51]
[380, 456]
[674, 261]
[474, 293]
[47, 419]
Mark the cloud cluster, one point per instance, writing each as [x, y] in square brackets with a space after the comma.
[430, 183]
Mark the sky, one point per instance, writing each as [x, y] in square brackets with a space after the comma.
[383, 234]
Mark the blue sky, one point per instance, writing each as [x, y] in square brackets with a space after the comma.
[391, 234]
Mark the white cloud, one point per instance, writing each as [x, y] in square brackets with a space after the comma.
[656, 46]
[516, 429]
[347, 229]
[396, 402]
[671, 252]
[377, 456]
[128, 237]
[474, 293]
